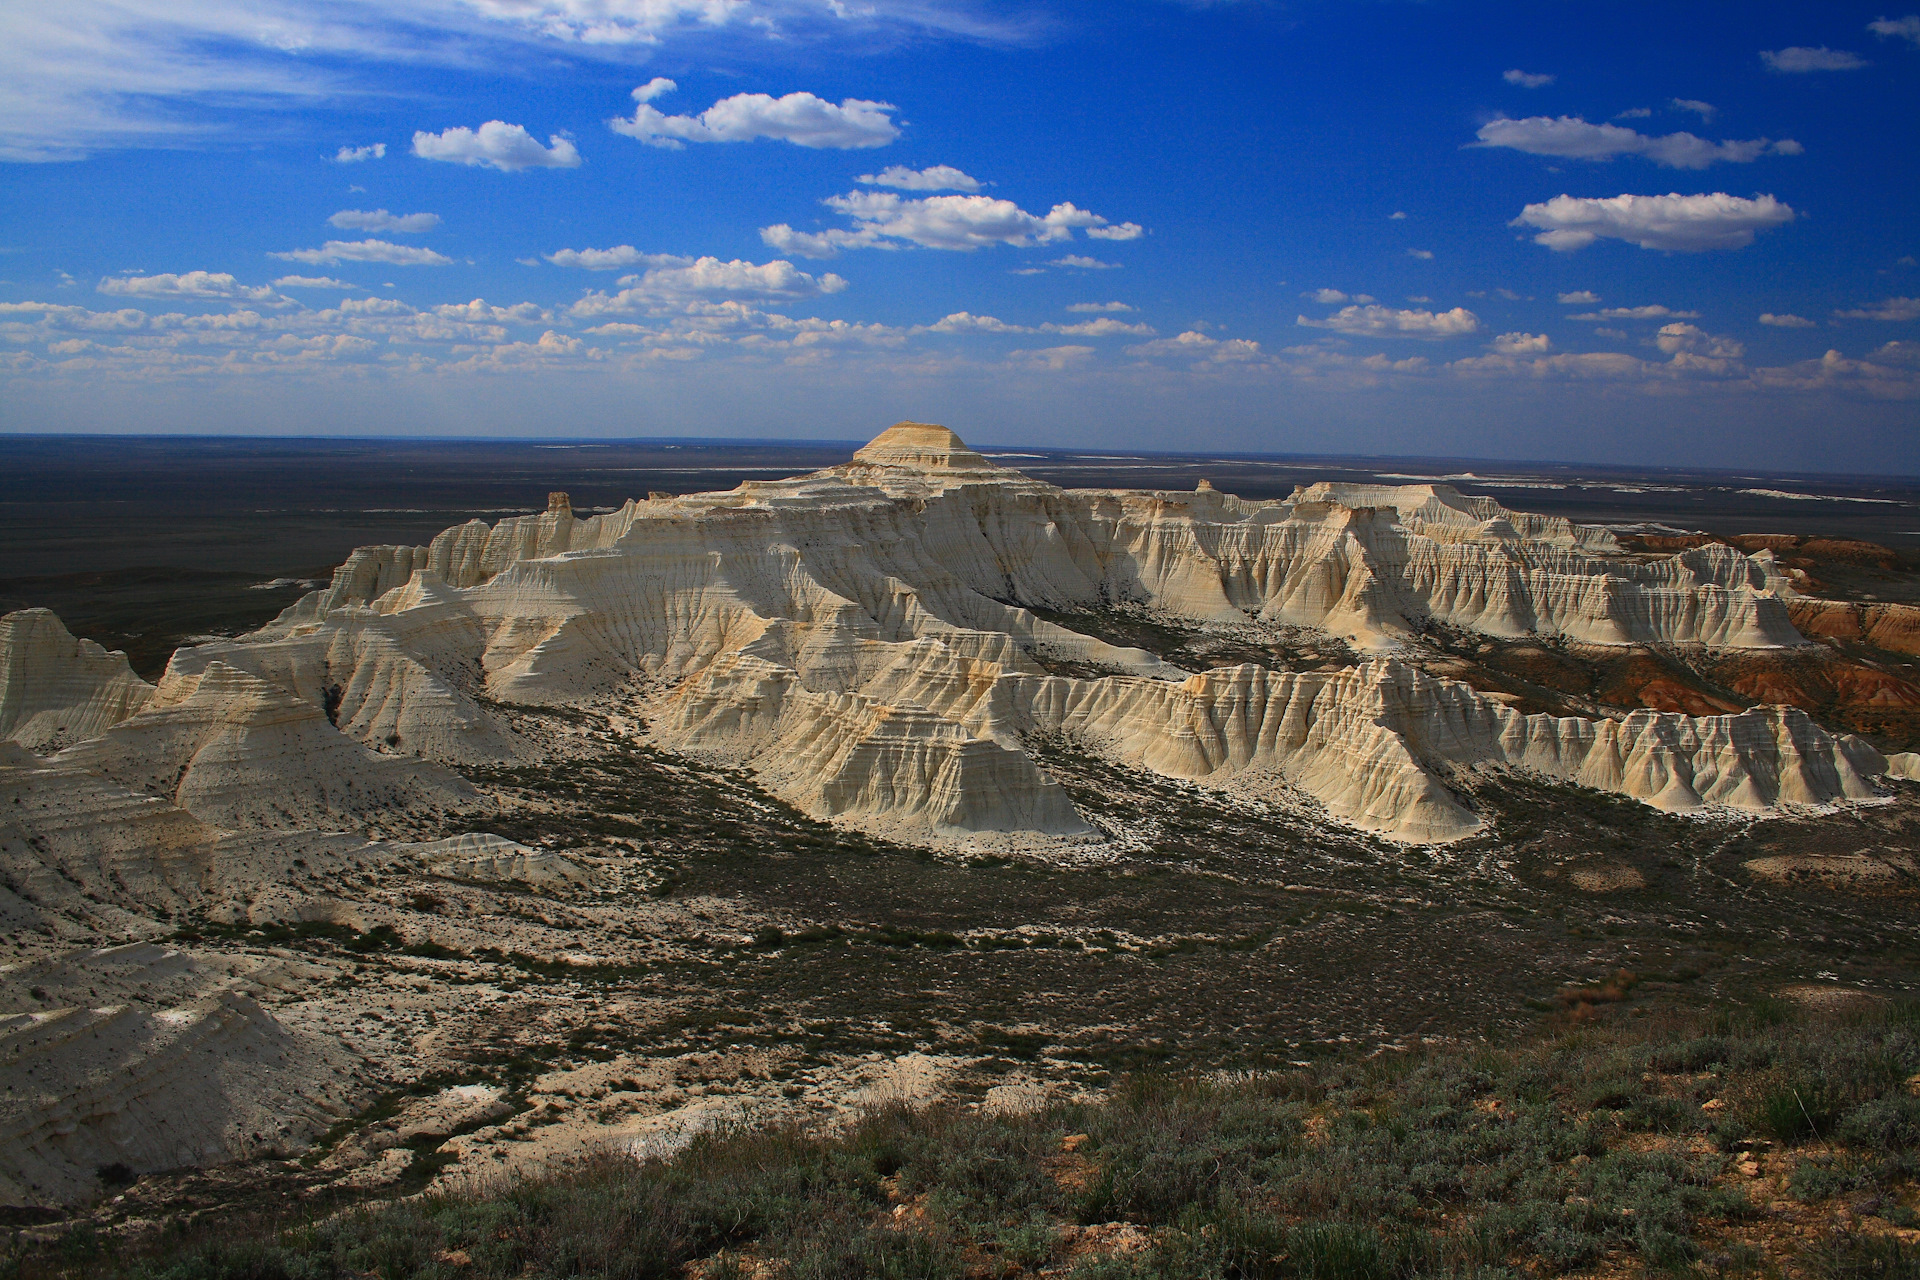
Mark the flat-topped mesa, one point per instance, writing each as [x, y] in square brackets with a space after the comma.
[921, 446]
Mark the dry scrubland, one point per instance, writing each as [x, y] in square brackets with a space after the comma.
[1769, 1140]
[925, 870]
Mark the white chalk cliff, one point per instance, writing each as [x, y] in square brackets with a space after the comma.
[56, 690]
[862, 637]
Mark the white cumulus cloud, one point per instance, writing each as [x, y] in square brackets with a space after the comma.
[967, 322]
[1334, 297]
[1685, 224]
[939, 177]
[188, 284]
[1104, 327]
[355, 155]
[1580, 297]
[1200, 348]
[800, 118]
[399, 255]
[496, 145]
[1888, 309]
[1526, 80]
[1693, 340]
[1786, 321]
[1653, 312]
[884, 220]
[1522, 344]
[614, 259]
[1098, 306]
[381, 220]
[1081, 262]
[1392, 322]
[672, 279]
[314, 282]
[1907, 28]
[1572, 138]
[479, 312]
[1705, 110]
[778, 278]
[1801, 59]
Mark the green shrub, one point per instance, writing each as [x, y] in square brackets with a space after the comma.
[1886, 1124]
[1797, 1110]
[847, 1251]
[1691, 1055]
[1824, 1178]
[1855, 1256]
[1336, 1171]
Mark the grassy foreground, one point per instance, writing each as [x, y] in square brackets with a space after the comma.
[1765, 1140]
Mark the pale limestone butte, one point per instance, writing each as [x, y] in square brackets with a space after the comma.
[83, 857]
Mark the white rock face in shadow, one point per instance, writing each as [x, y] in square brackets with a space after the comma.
[55, 689]
[101, 1079]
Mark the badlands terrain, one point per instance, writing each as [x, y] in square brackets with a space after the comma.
[913, 777]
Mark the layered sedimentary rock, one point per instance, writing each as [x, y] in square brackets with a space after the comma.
[837, 754]
[237, 753]
[97, 1079]
[1893, 627]
[56, 690]
[891, 642]
[1444, 514]
[83, 856]
[864, 637]
[402, 679]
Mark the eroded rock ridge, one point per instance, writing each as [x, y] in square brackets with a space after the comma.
[871, 640]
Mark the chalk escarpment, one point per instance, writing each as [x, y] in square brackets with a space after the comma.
[865, 637]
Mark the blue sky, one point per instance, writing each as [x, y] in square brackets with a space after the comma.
[1622, 232]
